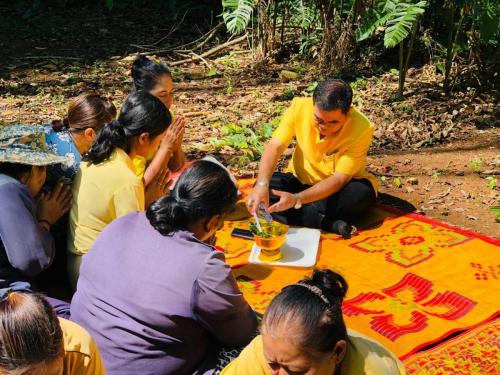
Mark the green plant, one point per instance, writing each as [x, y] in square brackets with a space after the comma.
[492, 182]
[231, 62]
[289, 93]
[475, 164]
[397, 182]
[405, 107]
[359, 84]
[229, 84]
[400, 18]
[496, 212]
[481, 19]
[243, 138]
[212, 72]
[237, 14]
[310, 89]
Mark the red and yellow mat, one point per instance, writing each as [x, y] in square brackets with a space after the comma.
[413, 281]
[475, 352]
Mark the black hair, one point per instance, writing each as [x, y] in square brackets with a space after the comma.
[321, 324]
[15, 170]
[30, 334]
[332, 94]
[204, 189]
[146, 73]
[141, 113]
[87, 110]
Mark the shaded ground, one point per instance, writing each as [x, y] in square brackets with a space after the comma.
[448, 145]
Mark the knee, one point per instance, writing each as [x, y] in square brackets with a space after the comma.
[354, 198]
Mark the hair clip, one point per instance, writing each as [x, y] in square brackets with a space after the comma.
[317, 291]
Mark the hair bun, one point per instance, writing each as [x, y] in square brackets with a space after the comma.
[165, 214]
[330, 282]
[109, 106]
[60, 125]
[116, 127]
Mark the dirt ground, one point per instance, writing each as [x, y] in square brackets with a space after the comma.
[439, 153]
[440, 183]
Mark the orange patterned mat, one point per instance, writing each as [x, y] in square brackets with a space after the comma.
[474, 352]
[413, 281]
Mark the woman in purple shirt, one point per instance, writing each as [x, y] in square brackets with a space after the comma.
[153, 291]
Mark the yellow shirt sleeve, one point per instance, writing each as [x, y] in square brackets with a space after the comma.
[127, 199]
[353, 160]
[81, 353]
[367, 357]
[286, 129]
[251, 361]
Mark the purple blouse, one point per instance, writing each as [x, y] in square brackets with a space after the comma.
[158, 304]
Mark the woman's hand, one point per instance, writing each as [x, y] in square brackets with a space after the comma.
[172, 140]
[158, 187]
[287, 201]
[54, 204]
[259, 194]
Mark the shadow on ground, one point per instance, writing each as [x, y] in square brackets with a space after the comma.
[32, 32]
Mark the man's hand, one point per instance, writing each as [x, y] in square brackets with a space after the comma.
[287, 201]
[259, 194]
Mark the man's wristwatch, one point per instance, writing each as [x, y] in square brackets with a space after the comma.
[262, 183]
[298, 202]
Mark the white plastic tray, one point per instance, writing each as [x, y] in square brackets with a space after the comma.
[299, 250]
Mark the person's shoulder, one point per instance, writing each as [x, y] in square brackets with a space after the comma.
[251, 360]
[76, 338]
[48, 130]
[373, 356]
[302, 103]
[117, 169]
[360, 120]
[12, 190]
[81, 353]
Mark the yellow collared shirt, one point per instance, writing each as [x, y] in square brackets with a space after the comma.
[81, 354]
[316, 159]
[102, 193]
[364, 357]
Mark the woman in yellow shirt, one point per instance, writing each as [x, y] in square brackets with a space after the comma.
[106, 187]
[303, 332]
[34, 341]
[326, 185]
[155, 78]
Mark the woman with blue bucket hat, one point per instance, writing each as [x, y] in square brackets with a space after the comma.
[26, 245]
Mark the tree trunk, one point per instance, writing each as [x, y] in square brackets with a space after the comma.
[401, 70]
[449, 50]
[275, 18]
[451, 56]
[283, 22]
[410, 49]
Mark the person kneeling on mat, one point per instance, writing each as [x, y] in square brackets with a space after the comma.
[325, 185]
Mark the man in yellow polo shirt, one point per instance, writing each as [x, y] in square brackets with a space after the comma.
[325, 185]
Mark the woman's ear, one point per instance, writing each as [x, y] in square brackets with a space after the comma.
[90, 134]
[339, 351]
[212, 224]
[143, 139]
